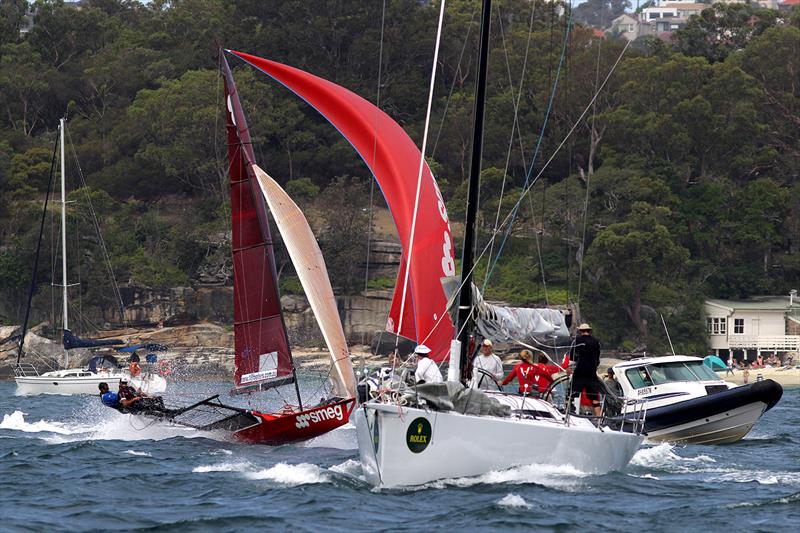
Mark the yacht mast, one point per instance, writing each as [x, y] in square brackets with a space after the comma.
[64, 238]
[473, 187]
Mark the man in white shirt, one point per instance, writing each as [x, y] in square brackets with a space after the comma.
[488, 362]
[427, 370]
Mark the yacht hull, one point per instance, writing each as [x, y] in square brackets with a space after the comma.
[401, 446]
[150, 384]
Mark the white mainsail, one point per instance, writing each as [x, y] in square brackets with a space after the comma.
[310, 267]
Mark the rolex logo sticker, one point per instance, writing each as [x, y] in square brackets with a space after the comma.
[418, 435]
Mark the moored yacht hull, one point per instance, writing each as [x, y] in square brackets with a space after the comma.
[51, 383]
[401, 446]
[33, 385]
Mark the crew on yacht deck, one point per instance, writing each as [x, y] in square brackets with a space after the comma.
[534, 377]
[586, 350]
[427, 370]
[488, 362]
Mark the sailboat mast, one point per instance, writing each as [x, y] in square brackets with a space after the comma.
[64, 237]
[473, 188]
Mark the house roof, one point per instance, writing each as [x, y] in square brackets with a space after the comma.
[790, 3]
[761, 303]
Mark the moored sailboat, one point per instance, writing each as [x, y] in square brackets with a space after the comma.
[73, 380]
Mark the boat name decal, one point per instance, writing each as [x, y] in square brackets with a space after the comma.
[418, 435]
[643, 391]
[320, 415]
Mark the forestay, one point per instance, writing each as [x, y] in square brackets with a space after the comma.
[263, 357]
[310, 268]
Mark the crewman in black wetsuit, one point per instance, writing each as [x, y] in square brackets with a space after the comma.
[586, 351]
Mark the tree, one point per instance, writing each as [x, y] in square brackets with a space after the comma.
[600, 13]
[630, 256]
[24, 86]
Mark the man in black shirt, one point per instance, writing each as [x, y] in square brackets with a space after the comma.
[586, 351]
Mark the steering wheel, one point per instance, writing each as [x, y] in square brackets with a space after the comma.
[557, 392]
[489, 375]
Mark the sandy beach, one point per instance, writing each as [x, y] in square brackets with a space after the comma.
[787, 378]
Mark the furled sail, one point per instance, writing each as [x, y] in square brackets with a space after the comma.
[72, 341]
[394, 160]
[310, 267]
[514, 324]
[263, 357]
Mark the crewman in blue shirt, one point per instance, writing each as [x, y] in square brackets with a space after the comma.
[113, 400]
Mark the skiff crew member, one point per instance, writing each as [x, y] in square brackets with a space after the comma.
[488, 362]
[114, 400]
[427, 370]
[586, 350]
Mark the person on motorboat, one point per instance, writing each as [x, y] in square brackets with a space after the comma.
[586, 352]
[427, 369]
[486, 363]
[611, 382]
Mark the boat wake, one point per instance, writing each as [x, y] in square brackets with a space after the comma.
[289, 475]
[117, 426]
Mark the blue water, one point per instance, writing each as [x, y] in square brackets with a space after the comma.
[69, 464]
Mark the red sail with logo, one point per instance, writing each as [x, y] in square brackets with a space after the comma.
[263, 357]
[394, 160]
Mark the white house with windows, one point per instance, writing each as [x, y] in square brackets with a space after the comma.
[748, 328]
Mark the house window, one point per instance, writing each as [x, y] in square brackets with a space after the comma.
[654, 16]
[669, 15]
[716, 326]
[738, 326]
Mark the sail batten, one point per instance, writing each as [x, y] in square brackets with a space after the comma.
[310, 267]
[262, 352]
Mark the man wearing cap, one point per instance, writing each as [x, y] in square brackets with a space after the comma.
[488, 362]
[427, 370]
[586, 351]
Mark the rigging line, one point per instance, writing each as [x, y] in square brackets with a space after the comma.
[539, 248]
[374, 146]
[455, 77]
[538, 145]
[419, 175]
[32, 288]
[526, 190]
[515, 122]
[106, 256]
[590, 165]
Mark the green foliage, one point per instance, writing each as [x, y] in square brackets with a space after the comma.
[688, 158]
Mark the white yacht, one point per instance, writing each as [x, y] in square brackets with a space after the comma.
[687, 402]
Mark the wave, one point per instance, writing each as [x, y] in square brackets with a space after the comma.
[108, 426]
[512, 500]
[290, 475]
[138, 454]
[663, 456]
[792, 499]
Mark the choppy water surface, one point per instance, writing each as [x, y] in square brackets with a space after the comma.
[68, 463]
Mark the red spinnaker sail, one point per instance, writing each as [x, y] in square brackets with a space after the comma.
[261, 345]
[393, 159]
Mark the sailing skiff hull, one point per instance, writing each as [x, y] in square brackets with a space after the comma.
[401, 446]
[275, 430]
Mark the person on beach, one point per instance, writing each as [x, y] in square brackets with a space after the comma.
[586, 351]
[486, 363]
[427, 370]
